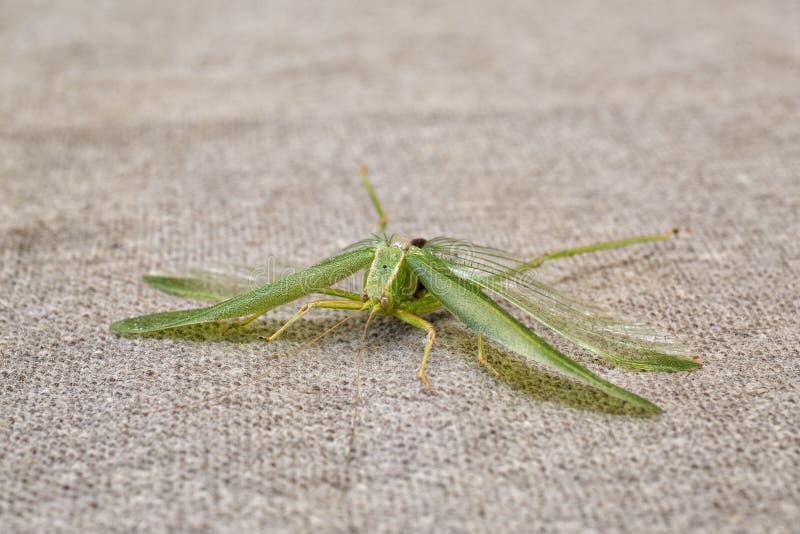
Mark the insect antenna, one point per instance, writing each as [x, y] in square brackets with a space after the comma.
[255, 379]
[352, 447]
[358, 379]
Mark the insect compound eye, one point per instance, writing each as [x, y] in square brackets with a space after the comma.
[418, 242]
[385, 267]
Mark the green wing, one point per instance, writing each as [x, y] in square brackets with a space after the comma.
[216, 283]
[618, 340]
[262, 299]
[465, 300]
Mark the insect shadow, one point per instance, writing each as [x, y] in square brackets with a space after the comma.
[538, 384]
[254, 333]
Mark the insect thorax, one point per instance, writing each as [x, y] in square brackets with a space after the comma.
[389, 279]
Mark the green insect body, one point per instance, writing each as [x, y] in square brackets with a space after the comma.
[407, 278]
[389, 280]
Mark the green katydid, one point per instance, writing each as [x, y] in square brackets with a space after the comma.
[407, 278]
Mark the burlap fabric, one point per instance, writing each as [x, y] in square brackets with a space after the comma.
[145, 135]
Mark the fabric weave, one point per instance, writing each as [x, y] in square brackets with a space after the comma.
[147, 135]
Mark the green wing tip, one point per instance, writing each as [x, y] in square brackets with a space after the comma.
[663, 363]
[155, 279]
[159, 282]
[691, 365]
[162, 283]
[133, 325]
[122, 327]
[674, 363]
[152, 322]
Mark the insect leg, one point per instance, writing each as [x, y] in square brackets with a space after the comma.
[422, 324]
[305, 308]
[606, 245]
[374, 198]
[482, 358]
[333, 292]
[243, 322]
[420, 306]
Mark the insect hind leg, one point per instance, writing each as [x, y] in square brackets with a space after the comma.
[606, 245]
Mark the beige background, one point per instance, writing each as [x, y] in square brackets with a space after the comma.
[137, 136]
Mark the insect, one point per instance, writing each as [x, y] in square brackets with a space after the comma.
[408, 278]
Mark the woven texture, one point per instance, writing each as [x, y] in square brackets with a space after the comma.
[145, 135]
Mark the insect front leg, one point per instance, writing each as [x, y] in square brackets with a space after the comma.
[305, 308]
[422, 324]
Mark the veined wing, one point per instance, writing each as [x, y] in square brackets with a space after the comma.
[262, 299]
[468, 302]
[216, 283]
[621, 341]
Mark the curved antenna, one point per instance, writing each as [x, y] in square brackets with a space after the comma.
[374, 197]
